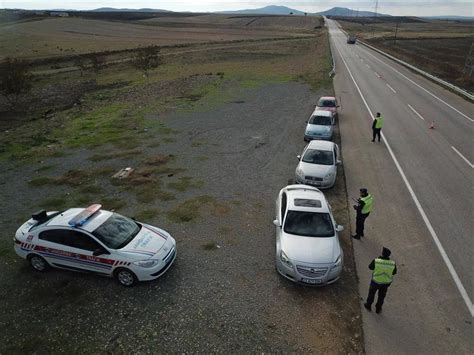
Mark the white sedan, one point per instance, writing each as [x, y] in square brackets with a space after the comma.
[307, 242]
[318, 164]
[98, 241]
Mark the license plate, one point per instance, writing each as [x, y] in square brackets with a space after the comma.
[311, 281]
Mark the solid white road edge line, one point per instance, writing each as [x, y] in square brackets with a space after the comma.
[463, 157]
[415, 112]
[421, 87]
[441, 250]
[388, 85]
[377, 74]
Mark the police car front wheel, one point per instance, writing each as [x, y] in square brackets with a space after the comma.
[38, 263]
[125, 277]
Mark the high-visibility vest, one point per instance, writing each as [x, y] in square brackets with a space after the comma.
[379, 122]
[368, 201]
[383, 271]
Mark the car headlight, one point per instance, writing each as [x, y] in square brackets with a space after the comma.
[147, 263]
[285, 260]
[338, 262]
[329, 176]
[300, 172]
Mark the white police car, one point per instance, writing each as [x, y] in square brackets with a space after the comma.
[95, 240]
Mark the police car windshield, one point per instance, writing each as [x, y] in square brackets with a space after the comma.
[117, 231]
[309, 224]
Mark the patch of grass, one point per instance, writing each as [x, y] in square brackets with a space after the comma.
[168, 140]
[6, 251]
[41, 181]
[112, 203]
[210, 246]
[184, 183]
[202, 158]
[146, 193]
[189, 209]
[90, 189]
[54, 203]
[164, 195]
[117, 155]
[196, 144]
[147, 214]
[158, 159]
[45, 168]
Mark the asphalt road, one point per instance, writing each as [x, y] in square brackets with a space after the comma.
[422, 182]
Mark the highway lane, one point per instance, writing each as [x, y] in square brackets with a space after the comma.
[440, 179]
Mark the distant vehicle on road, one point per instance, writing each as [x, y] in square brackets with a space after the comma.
[98, 241]
[319, 126]
[327, 103]
[351, 38]
[318, 164]
[307, 242]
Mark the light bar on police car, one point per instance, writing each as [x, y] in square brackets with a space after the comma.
[83, 216]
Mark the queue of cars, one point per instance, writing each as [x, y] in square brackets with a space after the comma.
[307, 242]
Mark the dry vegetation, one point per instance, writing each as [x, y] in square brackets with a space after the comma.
[438, 47]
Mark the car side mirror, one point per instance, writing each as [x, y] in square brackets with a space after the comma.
[339, 162]
[276, 223]
[99, 251]
[299, 157]
[339, 228]
[338, 105]
[306, 121]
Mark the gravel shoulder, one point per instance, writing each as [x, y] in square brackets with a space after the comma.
[223, 294]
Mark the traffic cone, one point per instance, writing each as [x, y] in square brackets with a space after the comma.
[432, 126]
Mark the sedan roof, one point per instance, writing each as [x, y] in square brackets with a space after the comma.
[324, 113]
[320, 144]
[307, 193]
[62, 219]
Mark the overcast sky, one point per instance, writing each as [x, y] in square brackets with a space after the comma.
[392, 7]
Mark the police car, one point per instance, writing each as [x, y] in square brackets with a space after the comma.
[94, 240]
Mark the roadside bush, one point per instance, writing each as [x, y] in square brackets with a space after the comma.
[15, 79]
[147, 58]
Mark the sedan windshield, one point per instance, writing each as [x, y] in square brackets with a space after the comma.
[326, 103]
[309, 224]
[321, 157]
[320, 120]
[117, 231]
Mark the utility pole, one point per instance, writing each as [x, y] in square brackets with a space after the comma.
[469, 66]
[375, 17]
[396, 31]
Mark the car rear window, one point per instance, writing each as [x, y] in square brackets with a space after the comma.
[309, 224]
[321, 120]
[326, 103]
[321, 157]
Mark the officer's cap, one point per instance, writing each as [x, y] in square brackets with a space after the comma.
[363, 190]
[386, 252]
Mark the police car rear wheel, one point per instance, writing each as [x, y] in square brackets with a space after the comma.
[38, 263]
[125, 277]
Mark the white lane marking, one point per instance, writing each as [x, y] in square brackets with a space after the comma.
[377, 74]
[415, 112]
[463, 157]
[421, 87]
[388, 85]
[441, 250]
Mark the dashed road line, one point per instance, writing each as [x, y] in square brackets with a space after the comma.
[429, 226]
[415, 112]
[463, 157]
[421, 87]
[377, 74]
[388, 85]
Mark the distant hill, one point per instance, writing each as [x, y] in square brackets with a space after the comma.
[267, 10]
[112, 9]
[343, 11]
[459, 18]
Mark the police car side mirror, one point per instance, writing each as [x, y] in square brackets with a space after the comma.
[339, 228]
[299, 157]
[99, 251]
[276, 223]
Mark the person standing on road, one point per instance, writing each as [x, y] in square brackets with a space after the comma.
[363, 208]
[377, 126]
[382, 277]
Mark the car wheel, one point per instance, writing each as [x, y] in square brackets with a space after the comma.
[38, 263]
[125, 277]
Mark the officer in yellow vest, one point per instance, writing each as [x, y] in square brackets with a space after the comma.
[363, 208]
[377, 126]
[382, 277]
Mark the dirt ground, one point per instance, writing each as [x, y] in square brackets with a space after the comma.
[213, 138]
